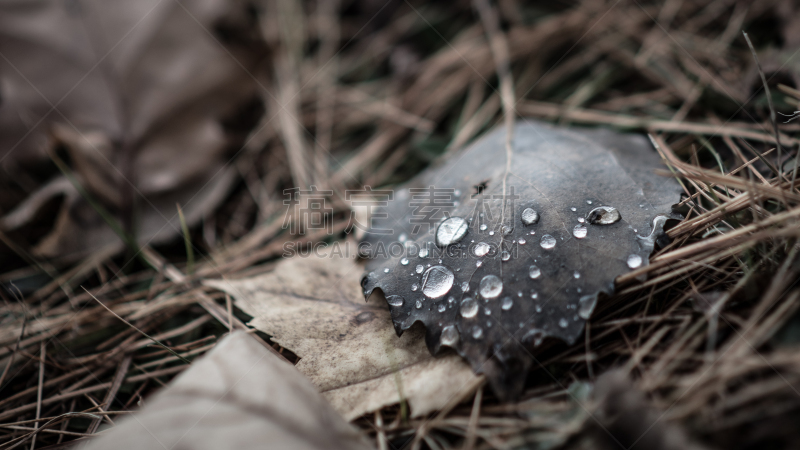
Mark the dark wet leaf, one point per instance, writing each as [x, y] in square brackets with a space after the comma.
[515, 278]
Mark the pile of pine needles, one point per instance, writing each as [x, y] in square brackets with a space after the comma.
[698, 349]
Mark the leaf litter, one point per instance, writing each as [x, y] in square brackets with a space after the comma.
[347, 348]
[135, 93]
[239, 395]
[725, 374]
[525, 257]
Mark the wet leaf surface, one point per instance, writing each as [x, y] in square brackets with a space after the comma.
[536, 253]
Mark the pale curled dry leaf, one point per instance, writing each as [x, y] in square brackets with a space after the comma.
[237, 396]
[134, 91]
[313, 306]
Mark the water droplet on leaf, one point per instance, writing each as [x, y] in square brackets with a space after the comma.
[449, 335]
[481, 249]
[437, 281]
[394, 300]
[451, 231]
[603, 215]
[586, 306]
[634, 261]
[491, 286]
[530, 216]
[469, 307]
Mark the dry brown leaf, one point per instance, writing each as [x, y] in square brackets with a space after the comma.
[134, 91]
[237, 396]
[313, 306]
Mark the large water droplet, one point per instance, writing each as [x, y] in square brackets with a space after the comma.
[576, 274]
[477, 332]
[506, 229]
[522, 241]
[465, 286]
[507, 303]
[449, 335]
[451, 231]
[386, 270]
[563, 323]
[530, 216]
[441, 307]
[419, 268]
[579, 231]
[505, 256]
[634, 261]
[395, 300]
[586, 305]
[491, 286]
[603, 215]
[423, 252]
[535, 272]
[481, 248]
[483, 227]
[437, 281]
[404, 261]
[469, 307]
[547, 242]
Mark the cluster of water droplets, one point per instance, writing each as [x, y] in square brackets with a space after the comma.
[438, 280]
